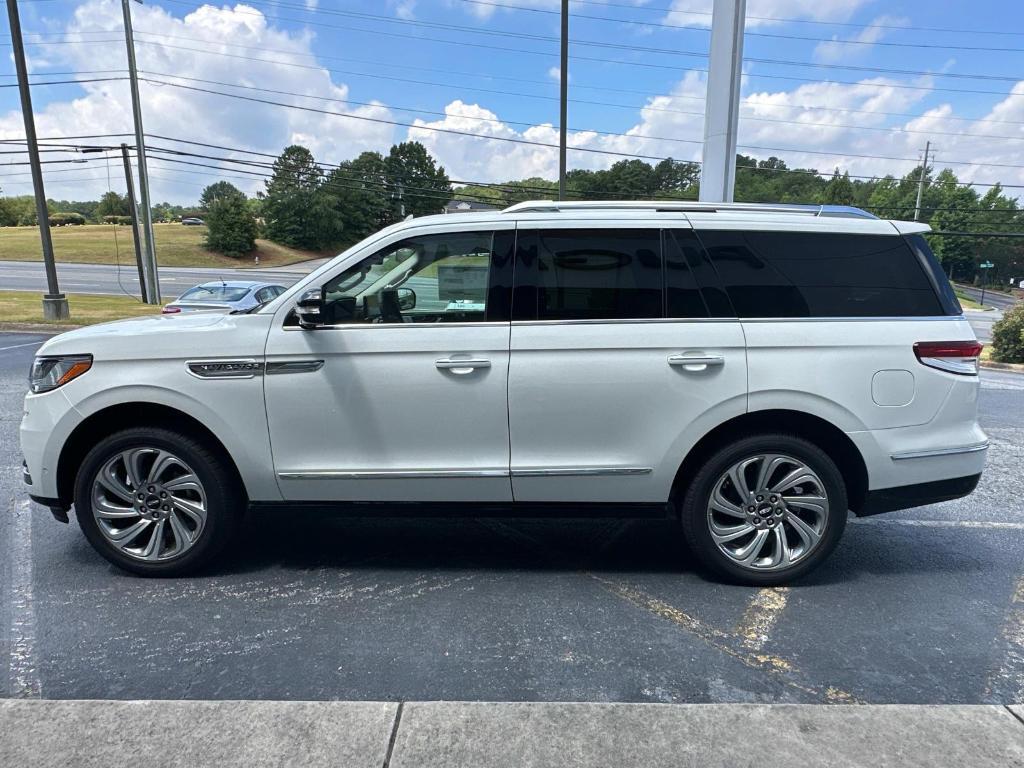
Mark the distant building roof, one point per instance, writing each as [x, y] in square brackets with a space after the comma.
[461, 206]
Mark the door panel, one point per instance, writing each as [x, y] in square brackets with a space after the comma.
[381, 420]
[599, 413]
[410, 401]
[606, 394]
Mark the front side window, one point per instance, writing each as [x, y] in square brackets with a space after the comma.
[820, 274]
[439, 278]
[591, 274]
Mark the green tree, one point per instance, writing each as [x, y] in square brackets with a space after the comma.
[298, 210]
[214, 191]
[839, 190]
[113, 204]
[230, 226]
[360, 196]
[419, 185]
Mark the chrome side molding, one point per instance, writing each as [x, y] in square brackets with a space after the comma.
[408, 474]
[293, 366]
[225, 369]
[940, 452]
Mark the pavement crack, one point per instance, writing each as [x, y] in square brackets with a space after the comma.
[394, 734]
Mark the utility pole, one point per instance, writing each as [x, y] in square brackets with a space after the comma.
[55, 303]
[134, 211]
[920, 181]
[152, 291]
[563, 99]
[722, 107]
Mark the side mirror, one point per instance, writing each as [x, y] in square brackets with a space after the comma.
[309, 309]
[406, 299]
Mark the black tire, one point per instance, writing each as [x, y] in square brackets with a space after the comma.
[697, 495]
[224, 498]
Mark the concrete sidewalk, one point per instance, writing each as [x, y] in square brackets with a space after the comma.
[428, 734]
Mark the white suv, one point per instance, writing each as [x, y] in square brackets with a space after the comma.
[755, 371]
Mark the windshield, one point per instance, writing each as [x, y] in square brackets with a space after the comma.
[213, 293]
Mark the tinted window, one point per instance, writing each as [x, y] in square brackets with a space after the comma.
[599, 274]
[934, 269]
[683, 258]
[811, 274]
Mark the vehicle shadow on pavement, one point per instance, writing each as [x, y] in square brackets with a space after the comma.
[305, 540]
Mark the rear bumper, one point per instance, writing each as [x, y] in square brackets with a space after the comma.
[917, 495]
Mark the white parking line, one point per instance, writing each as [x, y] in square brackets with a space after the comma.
[988, 524]
[761, 616]
[19, 346]
[24, 676]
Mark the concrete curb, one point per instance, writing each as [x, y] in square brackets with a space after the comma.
[428, 734]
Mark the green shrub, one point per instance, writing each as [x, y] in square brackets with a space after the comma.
[230, 226]
[1008, 336]
[61, 219]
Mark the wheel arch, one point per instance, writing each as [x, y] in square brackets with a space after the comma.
[114, 418]
[825, 435]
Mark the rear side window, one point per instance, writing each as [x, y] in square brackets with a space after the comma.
[590, 274]
[820, 274]
[950, 303]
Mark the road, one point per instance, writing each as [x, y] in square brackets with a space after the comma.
[923, 606]
[992, 298]
[109, 279]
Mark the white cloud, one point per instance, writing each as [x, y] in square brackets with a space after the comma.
[106, 107]
[837, 49]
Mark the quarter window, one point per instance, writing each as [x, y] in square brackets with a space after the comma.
[811, 274]
[439, 278]
[599, 274]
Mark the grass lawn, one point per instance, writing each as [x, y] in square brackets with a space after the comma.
[967, 302]
[86, 309]
[176, 246]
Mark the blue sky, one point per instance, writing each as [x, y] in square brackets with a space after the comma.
[474, 66]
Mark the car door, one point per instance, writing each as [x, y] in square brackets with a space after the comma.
[401, 395]
[617, 365]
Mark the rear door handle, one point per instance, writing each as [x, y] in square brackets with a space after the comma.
[696, 362]
[461, 367]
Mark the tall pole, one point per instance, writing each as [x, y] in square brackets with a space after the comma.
[722, 107]
[55, 303]
[133, 209]
[920, 181]
[152, 277]
[564, 99]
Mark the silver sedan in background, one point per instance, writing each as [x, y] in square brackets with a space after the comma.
[224, 296]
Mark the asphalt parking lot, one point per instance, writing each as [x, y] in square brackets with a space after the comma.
[921, 606]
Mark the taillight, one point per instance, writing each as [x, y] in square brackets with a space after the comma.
[169, 310]
[953, 356]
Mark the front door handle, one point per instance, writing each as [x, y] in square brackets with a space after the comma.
[461, 367]
[696, 362]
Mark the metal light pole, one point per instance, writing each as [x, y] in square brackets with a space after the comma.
[564, 99]
[722, 108]
[55, 303]
[152, 291]
[921, 181]
[133, 209]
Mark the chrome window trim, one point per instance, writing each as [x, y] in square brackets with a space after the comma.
[940, 452]
[360, 326]
[256, 368]
[626, 321]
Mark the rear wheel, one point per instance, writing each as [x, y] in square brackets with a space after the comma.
[156, 502]
[765, 510]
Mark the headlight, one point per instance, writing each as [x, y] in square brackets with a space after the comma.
[52, 372]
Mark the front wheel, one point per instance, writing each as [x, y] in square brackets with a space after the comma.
[765, 510]
[155, 501]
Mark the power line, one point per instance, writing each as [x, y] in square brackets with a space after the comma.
[66, 82]
[748, 33]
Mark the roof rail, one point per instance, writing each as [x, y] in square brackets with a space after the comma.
[684, 206]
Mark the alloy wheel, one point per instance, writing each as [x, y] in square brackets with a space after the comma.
[149, 504]
[768, 512]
